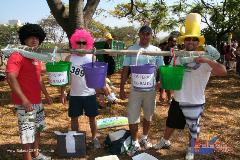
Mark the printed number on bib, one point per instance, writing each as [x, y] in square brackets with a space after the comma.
[77, 70]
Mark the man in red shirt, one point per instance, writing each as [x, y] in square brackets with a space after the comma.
[24, 78]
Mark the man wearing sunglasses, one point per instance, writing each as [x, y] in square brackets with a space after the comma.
[82, 99]
[188, 103]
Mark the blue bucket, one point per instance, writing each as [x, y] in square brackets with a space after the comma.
[143, 76]
[95, 74]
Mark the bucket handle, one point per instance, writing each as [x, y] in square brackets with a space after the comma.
[93, 56]
[59, 54]
[54, 54]
[174, 56]
[140, 52]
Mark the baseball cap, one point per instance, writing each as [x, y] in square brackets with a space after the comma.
[108, 36]
[145, 29]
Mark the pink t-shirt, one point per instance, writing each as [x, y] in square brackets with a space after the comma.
[28, 72]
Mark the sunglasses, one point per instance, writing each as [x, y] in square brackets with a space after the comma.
[81, 42]
[191, 38]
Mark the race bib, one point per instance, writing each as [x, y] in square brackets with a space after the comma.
[77, 71]
[143, 81]
[58, 78]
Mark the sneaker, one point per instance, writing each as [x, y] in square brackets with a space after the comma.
[41, 157]
[190, 154]
[145, 143]
[96, 143]
[112, 98]
[165, 144]
[170, 101]
[133, 149]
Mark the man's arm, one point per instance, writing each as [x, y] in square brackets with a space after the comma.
[44, 90]
[217, 68]
[124, 78]
[63, 97]
[13, 83]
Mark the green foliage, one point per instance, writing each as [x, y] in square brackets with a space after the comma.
[144, 12]
[97, 29]
[54, 32]
[221, 17]
[126, 34]
[8, 35]
[197, 8]
[47, 45]
[224, 17]
[236, 36]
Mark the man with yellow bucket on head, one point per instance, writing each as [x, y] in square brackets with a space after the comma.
[188, 103]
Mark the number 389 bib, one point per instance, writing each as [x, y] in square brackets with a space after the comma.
[77, 71]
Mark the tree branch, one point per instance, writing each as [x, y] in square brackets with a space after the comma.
[210, 27]
[131, 9]
[138, 9]
[224, 7]
[59, 12]
[207, 5]
[89, 10]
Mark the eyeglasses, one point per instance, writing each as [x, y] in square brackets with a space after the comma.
[81, 42]
[191, 39]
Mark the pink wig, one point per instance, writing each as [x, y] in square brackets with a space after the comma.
[81, 34]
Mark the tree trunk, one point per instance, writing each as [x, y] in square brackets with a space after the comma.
[74, 16]
[89, 10]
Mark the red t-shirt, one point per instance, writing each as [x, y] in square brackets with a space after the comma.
[28, 71]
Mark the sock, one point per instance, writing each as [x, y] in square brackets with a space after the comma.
[144, 136]
[165, 140]
[111, 97]
[135, 142]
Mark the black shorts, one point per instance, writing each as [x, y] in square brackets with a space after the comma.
[78, 104]
[175, 118]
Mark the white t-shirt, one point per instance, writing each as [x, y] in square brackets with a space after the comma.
[193, 85]
[143, 59]
[78, 82]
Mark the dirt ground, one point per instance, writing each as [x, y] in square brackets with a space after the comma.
[221, 118]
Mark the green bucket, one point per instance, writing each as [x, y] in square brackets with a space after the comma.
[58, 73]
[171, 77]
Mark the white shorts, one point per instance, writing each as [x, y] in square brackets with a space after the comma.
[30, 122]
[138, 100]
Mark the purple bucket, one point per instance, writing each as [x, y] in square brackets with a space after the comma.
[95, 74]
[143, 76]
